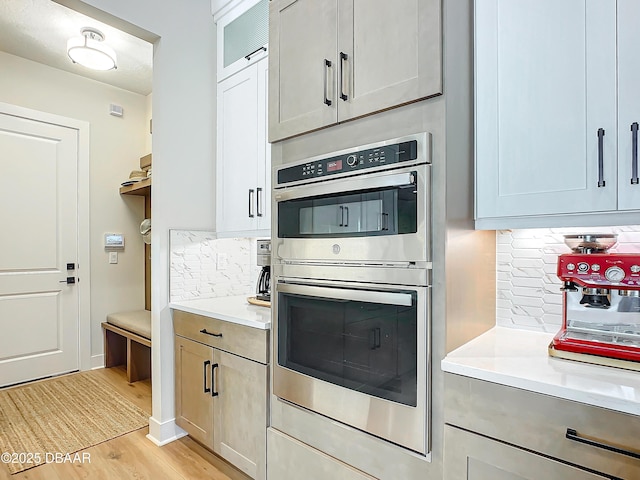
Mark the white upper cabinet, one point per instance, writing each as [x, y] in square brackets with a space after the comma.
[243, 165]
[555, 103]
[336, 60]
[628, 104]
[242, 35]
[545, 86]
[243, 156]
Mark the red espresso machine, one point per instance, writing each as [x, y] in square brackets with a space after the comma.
[600, 303]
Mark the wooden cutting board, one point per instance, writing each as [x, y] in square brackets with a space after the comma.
[260, 303]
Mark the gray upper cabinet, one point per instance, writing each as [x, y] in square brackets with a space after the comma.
[355, 57]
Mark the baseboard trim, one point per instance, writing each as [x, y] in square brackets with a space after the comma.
[97, 361]
[165, 432]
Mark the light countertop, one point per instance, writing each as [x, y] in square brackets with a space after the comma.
[231, 309]
[519, 358]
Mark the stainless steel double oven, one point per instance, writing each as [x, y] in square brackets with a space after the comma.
[351, 262]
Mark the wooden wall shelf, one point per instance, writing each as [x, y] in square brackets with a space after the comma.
[142, 188]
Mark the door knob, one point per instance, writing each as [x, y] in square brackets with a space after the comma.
[69, 280]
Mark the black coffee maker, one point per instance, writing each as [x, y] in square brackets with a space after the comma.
[263, 288]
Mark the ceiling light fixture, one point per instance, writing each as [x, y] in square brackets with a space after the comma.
[89, 51]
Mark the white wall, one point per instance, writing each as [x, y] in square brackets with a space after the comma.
[184, 125]
[116, 145]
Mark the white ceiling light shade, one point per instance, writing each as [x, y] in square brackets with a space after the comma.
[89, 51]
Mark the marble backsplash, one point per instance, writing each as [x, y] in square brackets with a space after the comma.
[202, 266]
[528, 290]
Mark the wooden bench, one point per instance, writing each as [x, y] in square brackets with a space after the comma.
[127, 341]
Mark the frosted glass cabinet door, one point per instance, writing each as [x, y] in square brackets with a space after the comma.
[243, 36]
[628, 104]
[545, 86]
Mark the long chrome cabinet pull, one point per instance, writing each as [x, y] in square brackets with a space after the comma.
[601, 182]
[251, 215]
[204, 368]
[204, 330]
[573, 435]
[341, 217]
[634, 153]
[343, 58]
[258, 206]
[327, 65]
[346, 222]
[213, 380]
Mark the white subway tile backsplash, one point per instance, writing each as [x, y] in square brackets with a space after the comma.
[528, 294]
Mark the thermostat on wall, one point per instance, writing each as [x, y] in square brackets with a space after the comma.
[113, 241]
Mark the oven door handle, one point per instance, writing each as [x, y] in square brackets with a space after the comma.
[387, 298]
[352, 184]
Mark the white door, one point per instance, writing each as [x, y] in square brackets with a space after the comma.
[38, 218]
[545, 86]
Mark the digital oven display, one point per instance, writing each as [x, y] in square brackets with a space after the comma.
[334, 166]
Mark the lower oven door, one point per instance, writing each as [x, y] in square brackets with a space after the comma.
[359, 355]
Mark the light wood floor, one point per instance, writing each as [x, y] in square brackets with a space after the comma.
[133, 456]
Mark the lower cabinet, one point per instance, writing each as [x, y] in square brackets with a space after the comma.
[497, 432]
[469, 456]
[290, 459]
[221, 401]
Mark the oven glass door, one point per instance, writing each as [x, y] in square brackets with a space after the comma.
[384, 210]
[360, 339]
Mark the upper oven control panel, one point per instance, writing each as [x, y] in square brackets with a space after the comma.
[352, 161]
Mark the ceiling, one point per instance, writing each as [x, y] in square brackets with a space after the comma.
[38, 30]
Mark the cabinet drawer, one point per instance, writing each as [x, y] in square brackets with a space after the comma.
[289, 459]
[540, 422]
[248, 342]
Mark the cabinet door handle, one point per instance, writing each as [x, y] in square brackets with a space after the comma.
[251, 215]
[341, 217]
[346, 223]
[573, 435]
[374, 338]
[258, 196]
[204, 368]
[385, 221]
[601, 182]
[249, 55]
[327, 65]
[213, 380]
[634, 153]
[343, 58]
[204, 330]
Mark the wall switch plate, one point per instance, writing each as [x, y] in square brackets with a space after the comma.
[113, 257]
